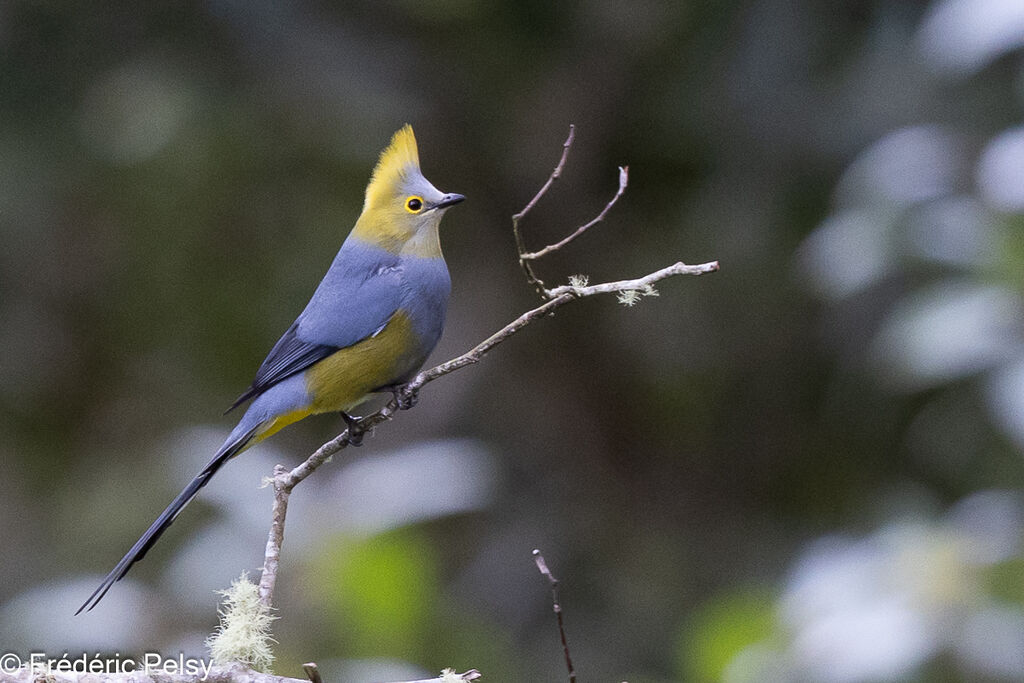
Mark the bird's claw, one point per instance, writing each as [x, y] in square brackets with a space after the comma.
[405, 397]
[355, 432]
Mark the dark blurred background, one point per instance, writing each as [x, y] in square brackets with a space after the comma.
[804, 467]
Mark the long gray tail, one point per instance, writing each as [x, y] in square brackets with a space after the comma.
[166, 518]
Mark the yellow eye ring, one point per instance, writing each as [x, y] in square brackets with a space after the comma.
[414, 204]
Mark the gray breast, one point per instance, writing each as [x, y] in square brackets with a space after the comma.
[425, 289]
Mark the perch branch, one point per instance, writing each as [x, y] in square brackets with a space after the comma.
[285, 480]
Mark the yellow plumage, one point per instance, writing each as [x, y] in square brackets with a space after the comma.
[343, 380]
[397, 160]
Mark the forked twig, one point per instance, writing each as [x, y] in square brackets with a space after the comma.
[524, 261]
[623, 182]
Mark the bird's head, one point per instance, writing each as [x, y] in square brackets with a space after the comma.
[402, 210]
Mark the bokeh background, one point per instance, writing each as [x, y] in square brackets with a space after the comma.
[808, 466]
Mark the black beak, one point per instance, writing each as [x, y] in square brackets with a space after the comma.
[448, 200]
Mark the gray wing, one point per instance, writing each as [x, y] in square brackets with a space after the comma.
[355, 300]
[289, 355]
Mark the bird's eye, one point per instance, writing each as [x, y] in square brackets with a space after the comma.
[413, 204]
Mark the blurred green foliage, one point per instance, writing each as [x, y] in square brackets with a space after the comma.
[720, 630]
[385, 591]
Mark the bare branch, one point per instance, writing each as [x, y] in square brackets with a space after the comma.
[639, 283]
[284, 480]
[557, 607]
[524, 263]
[623, 182]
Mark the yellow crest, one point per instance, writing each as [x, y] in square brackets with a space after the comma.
[397, 161]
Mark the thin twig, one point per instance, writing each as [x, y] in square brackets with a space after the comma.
[524, 262]
[555, 175]
[623, 182]
[312, 672]
[557, 607]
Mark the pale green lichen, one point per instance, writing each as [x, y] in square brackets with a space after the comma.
[579, 280]
[629, 297]
[244, 631]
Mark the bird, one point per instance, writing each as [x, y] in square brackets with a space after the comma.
[369, 326]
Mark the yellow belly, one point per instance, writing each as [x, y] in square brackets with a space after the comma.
[344, 379]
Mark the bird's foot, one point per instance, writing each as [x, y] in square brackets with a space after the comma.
[355, 432]
[405, 397]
